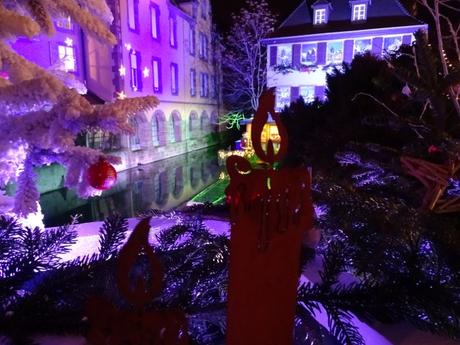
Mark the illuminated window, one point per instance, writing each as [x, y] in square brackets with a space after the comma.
[307, 93]
[320, 16]
[134, 68]
[283, 97]
[175, 129]
[308, 54]
[284, 55]
[192, 82]
[362, 46]
[334, 53]
[132, 13]
[156, 75]
[359, 12]
[391, 44]
[172, 32]
[155, 21]
[66, 54]
[65, 23]
[174, 79]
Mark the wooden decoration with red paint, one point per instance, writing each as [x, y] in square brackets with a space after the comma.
[271, 210]
[137, 326]
[435, 178]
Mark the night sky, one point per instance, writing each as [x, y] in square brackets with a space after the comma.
[223, 8]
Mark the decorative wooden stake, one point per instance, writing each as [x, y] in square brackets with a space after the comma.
[111, 325]
[271, 210]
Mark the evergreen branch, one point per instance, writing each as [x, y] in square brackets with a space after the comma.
[111, 235]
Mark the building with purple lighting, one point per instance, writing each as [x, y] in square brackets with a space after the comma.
[165, 48]
[322, 34]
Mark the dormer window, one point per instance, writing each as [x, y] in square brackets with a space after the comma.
[359, 12]
[320, 16]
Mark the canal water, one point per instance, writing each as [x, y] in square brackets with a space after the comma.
[162, 185]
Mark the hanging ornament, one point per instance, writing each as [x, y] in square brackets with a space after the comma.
[102, 175]
[406, 90]
[433, 149]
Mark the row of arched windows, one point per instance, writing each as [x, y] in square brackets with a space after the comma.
[164, 132]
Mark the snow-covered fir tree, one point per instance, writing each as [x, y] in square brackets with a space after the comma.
[42, 111]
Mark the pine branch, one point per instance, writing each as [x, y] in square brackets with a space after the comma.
[111, 235]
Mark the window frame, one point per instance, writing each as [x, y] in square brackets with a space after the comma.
[319, 16]
[174, 69]
[133, 15]
[135, 73]
[279, 108]
[359, 12]
[172, 31]
[74, 55]
[158, 89]
[316, 54]
[192, 39]
[192, 82]
[327, 52]
[154, 8]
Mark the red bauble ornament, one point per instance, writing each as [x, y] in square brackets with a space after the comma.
[433, 149]
[102, 175]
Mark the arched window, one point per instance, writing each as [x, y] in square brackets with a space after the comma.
[204, 122]
[160, 185]
[134, 138]
[158, 129]
[193, 125]
[175, 128]
[178, 182]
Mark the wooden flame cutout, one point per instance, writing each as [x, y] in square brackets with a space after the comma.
[111, 325]
[270, 210]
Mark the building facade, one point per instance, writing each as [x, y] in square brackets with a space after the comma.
[165, 48]
[322, 34]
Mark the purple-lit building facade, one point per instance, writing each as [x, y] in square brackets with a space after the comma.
[165, 48]
[325, 33]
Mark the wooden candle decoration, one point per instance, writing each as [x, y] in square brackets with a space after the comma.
[271, 210]
[111, 325]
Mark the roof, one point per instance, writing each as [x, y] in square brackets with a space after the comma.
[381, 14]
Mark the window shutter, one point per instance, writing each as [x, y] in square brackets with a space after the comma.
[407, 40]
[319, 92]
[139, 70]
[321, 56]
[273, 52]
[296, 55]
[348, 51]
[377, 43]
[294, 93]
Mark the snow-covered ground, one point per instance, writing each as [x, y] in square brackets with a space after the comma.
[375, 334]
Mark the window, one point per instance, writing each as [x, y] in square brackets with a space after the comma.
[284, 55]
[283, 97]
[155, 21]
[192, 42]
[203, 9]
[175, 128]
[172, 32]
[308, 54]
[155, 131]
[135, 70]
[192, 82]
[307, 93]
[359, 12]
[362, 46]
[334, 53]
[65, 23]
[134, 139]
[391, 44]
[156, 75]
[204, 82]
[66, 54]
[320, 16]
[174, 79]
[214, 86]
[132, 14]
[203, 46]
[193, 124]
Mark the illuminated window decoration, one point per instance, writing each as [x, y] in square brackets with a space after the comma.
[174, 79]
[359, 12]
[156, 75]
[146, 72]
[65, 23]
[283, 97]
[334, 53]
[122, 71]
[68, 41]
[66, 54]
[284, 55]
[362, 46]
[121, 95]
[391, 44]
[307, 93]
[320, 16]
[308, 54]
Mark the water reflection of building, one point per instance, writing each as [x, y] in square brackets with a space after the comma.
[162, 185]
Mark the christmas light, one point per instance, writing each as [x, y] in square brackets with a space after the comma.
[121, 95]
[146, 72]
[128, 46]
[122, 70]
[68, 41]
